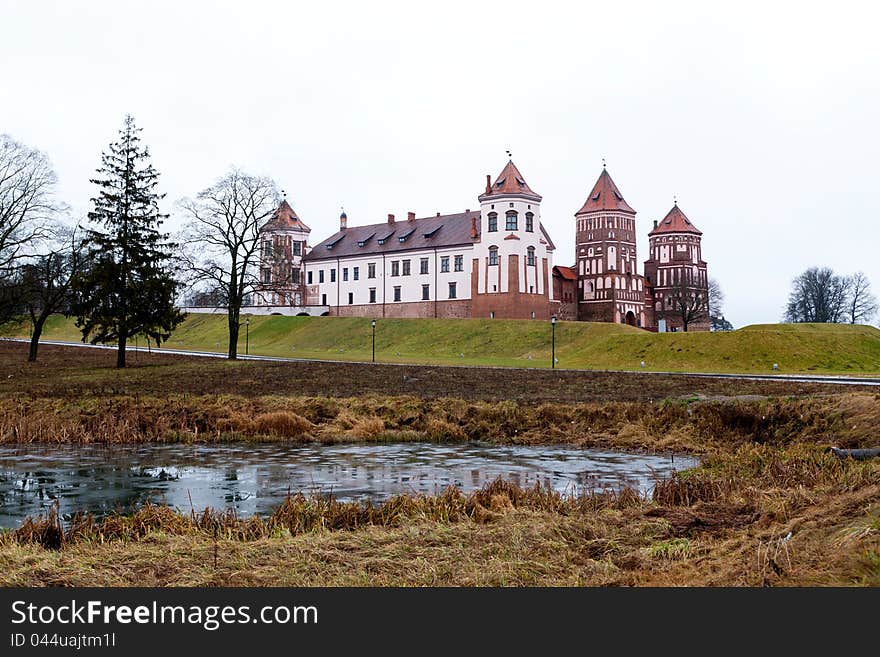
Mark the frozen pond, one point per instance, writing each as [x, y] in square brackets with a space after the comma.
[255, 478]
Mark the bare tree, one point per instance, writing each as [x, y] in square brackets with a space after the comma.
[862, 304]
[716, 306]
[27, 184]
[46, 283]
[818, 295]
[222, 238]
[688, 303]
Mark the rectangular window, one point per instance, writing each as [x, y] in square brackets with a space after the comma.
[350, 298]
[371, 270]
[355, 273]
[323, 299]
[406, 267]
[444, 264]
[511, 221]
[530, 222]
[459, 263]
[267, 248]
[395, 268]
[345, 273]
[397, 293]
[372, 295]
[423, 266]
[333, 275]
[452, 291]
[295, 275]
[321, 276]
[309, 277]
[267, 276]
[493, 256]
[493, 222]
[297, 248]
[426, 292]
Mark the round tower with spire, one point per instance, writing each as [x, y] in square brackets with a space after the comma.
[677, 273]
[283, 241]
[609, 286]
[513, 255]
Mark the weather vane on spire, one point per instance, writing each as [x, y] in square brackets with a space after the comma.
[675, 199]
[603, 162]
[284, 194]
[509, 155]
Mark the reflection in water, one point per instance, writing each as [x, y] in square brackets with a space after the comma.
[255, 478]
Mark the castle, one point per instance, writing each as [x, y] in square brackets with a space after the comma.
[494, 262]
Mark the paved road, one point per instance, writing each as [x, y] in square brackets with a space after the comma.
[795, 378]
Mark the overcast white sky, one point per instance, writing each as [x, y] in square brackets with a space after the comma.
[761, 117]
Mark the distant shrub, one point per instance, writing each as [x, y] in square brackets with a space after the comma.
[282, 423]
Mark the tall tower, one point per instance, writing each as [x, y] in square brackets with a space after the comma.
[283, 243]
[609, 287]
[514, 255]
[677, 272]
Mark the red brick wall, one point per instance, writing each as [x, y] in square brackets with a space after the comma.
[512, 304]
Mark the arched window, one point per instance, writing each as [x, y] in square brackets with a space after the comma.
[530, 256]
[511, 220]
[493, 255]
[493, 222]
[530, 222]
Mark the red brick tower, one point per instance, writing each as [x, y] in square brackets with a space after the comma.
[676, 270]
[609, 286]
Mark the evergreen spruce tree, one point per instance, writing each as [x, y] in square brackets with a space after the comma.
[127, 286]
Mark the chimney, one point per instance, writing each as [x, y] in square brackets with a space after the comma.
[474, 226]
[410, 216]
[438, 214]
[390, 218]
[655, 223]
[488, 184]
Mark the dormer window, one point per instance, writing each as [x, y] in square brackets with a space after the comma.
[363, 242]
[431, 233]
[403, 237]
[500, 182]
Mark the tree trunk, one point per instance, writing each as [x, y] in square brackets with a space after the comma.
[38, 323]
[233, 334]
[120, 351]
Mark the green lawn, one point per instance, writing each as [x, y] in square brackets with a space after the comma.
[803, 348]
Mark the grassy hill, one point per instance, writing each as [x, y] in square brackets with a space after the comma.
[797, 348]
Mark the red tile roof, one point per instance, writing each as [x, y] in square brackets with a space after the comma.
[675, 222]
[284, 217]
[567, 273]
[510, 181]
[605, 196]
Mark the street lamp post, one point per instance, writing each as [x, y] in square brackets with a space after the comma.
[374, 340]
[553, 342]
[247, 336]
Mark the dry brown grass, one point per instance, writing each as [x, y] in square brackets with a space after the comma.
[846, 420]
[769, 505]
